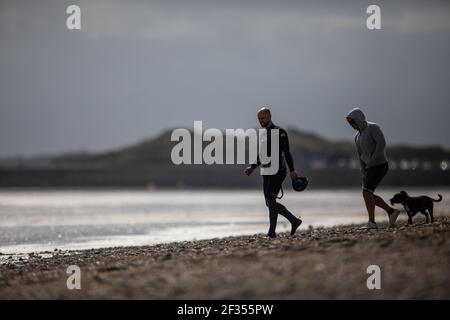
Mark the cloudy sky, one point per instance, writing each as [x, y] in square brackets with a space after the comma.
[138, 67]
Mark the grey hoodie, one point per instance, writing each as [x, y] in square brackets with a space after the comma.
[369, 139]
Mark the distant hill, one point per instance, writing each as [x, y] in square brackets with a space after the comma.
[306, 147]
[327, 163]
[149, 151]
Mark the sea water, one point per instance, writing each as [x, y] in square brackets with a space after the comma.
[44, 220]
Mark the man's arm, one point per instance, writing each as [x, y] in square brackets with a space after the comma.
[255, 165]
[380, 142]
[284, 145]
[248, 171]
[362, 165]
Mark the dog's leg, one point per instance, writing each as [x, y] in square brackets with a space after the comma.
[424, 212]
[430, 210]
[409, 217]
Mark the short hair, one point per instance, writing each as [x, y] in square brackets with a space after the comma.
[264, 109]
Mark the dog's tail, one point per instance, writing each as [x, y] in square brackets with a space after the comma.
[440, 198]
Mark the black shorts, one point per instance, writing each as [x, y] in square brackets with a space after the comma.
[272, 184]
[373, 176]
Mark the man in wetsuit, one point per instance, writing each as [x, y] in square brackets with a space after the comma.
[272, 183]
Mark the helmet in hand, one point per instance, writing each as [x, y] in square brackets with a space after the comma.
[300, 184]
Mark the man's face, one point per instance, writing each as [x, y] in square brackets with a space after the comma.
[264, 118]
[352, 123]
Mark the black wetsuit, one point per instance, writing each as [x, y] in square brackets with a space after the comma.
[272, 183]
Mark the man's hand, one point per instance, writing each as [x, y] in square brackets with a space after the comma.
[248, 171]
[294, 175]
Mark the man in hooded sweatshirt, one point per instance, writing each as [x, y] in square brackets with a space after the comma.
[370, 145]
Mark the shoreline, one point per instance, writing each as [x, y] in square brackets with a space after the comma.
[82, 220]
[318, 263]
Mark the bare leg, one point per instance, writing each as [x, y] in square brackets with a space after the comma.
[370, 204]
[379, 202]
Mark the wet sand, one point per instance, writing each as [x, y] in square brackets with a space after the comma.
[323, 263]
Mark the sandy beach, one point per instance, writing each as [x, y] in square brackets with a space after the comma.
[322, 263]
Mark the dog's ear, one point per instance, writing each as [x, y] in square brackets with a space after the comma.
[403, 192]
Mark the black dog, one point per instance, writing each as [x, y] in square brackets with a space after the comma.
[413, 205]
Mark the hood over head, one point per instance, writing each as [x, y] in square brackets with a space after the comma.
[358, 116]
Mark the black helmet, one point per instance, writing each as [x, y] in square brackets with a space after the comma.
[300, 183]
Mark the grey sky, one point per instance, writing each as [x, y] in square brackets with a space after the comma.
[138, 67]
